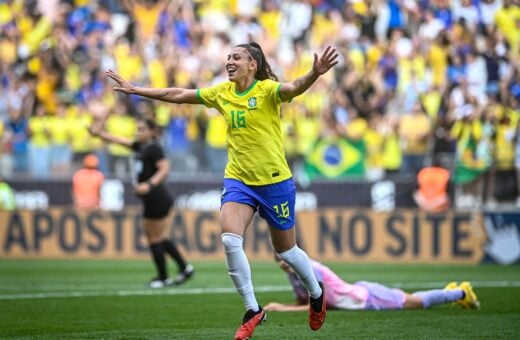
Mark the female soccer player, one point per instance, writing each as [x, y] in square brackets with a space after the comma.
[257, 176]
[152, 169]
[371, 295]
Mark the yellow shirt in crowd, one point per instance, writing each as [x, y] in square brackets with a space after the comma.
[123, 126]
[356, 128]
[438, 61]
[78, 123]
[413, 129]
[431, 101]
[214, 136]
[38, 126]
[271, 22]
[392, 153]
[409, 67]
[146, 18]
[504, 141]
[59, 130]
[374, 143]
[507, 20]
[128, 64]
[307, 132]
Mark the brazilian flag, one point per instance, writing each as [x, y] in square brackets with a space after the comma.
[336, 157]
[467, 167]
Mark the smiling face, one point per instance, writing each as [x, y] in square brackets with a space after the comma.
[239, 64]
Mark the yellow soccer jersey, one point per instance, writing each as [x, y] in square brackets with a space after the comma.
[255, 151]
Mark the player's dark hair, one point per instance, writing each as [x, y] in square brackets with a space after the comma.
[263, 70]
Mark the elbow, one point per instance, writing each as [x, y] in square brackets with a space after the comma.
[163, 172]
[288, 95]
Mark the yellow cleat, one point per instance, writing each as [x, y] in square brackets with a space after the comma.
[451, 286]
[470, 300]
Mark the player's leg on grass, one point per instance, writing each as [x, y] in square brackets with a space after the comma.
[154, 230]
[429, 298]
[284, 243]
[235, 218]
[469, 299]
[186, 270]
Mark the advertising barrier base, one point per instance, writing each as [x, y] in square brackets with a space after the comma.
[350, 235]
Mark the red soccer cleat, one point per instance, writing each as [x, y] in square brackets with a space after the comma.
[317, 310]
[249, 322]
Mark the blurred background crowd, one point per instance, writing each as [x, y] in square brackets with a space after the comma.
[420, 83]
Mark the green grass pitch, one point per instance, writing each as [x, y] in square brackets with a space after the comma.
[108, 299]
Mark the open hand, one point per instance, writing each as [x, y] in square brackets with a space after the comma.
[326, 61]
[123, 85]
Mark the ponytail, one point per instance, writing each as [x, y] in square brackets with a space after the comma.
[263, 70]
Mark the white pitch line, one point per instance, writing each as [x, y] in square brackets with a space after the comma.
[441, 284]
[226, 290]
[138, 292]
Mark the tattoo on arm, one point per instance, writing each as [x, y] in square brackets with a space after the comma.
[304, 82]
[300, 82]
[164, 94]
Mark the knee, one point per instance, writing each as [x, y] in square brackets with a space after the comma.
[290, 255]
[414, 302]
[231, 242]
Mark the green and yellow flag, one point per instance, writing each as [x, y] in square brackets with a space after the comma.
[336, 157]
[469, 166]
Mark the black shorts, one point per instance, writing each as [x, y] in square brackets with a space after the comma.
[157, 203]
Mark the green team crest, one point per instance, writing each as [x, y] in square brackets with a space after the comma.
[251, 102]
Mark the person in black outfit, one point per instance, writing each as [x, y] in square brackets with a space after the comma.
[152, 169]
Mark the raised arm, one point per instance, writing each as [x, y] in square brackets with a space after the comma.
[171, 95]
[321, 65]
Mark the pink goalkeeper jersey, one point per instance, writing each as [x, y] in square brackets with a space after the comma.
[340, 294]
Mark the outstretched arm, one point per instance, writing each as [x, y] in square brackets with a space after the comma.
[321, 65]
[98, 131]
[171, 95]
[281, 307]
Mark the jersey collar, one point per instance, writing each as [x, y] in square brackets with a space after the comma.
[240, 94]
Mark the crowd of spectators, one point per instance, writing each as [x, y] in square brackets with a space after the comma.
[420, 82]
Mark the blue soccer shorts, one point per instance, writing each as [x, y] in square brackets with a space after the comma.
[274, 202]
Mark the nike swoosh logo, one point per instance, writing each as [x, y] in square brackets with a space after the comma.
[225, 102]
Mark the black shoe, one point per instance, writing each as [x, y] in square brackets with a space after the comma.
[184, 275]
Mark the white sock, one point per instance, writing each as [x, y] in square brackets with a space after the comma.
[238, 269]
[300, 263]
